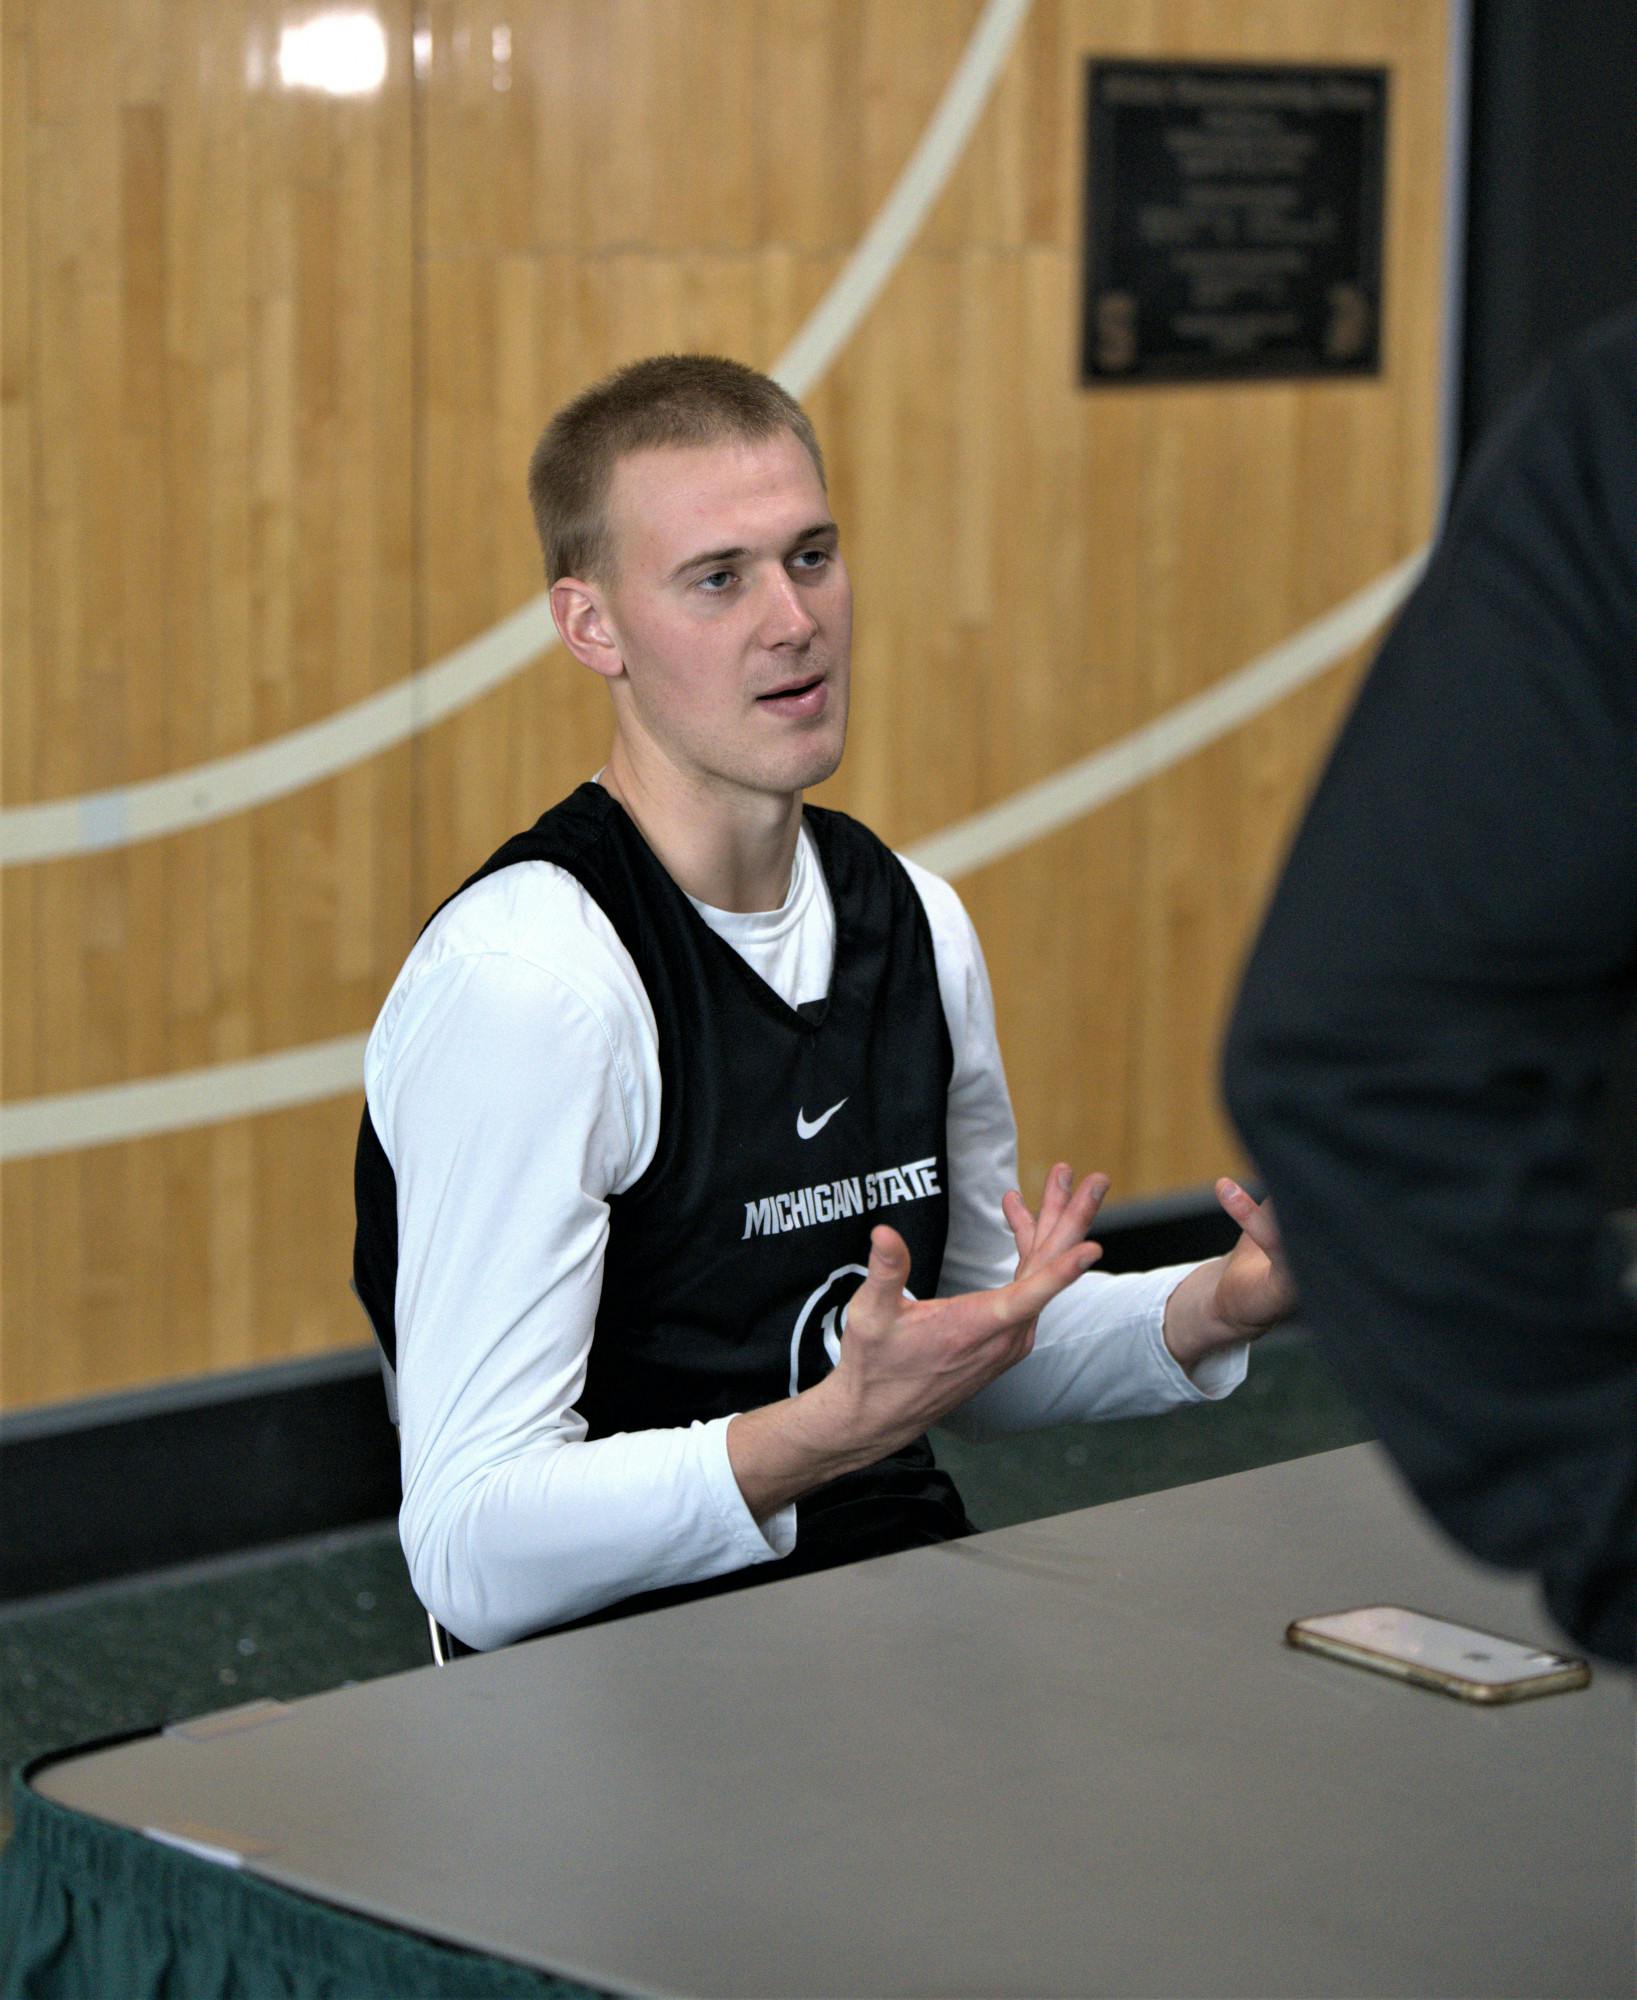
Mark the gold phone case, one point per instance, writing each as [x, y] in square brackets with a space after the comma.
[1571, 1674]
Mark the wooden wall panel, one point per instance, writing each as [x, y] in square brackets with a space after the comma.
[214, 1249]
[208, 399]
[273, 365]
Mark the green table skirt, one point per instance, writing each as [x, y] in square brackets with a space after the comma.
[90, 1911]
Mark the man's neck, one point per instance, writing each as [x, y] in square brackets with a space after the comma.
[733, 851]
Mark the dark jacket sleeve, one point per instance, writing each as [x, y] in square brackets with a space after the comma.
[1420, 1052]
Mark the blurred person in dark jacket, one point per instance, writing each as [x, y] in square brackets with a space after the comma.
[1426, 1053]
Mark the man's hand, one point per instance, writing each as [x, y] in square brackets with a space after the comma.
[1066, 1213]
[907, 1362]
[1236, 1297]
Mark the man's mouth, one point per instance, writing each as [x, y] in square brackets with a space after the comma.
[798, 698]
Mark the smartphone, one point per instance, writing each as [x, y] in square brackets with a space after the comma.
[1433, 1653]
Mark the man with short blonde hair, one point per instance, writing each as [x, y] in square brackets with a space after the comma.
[674, 1100]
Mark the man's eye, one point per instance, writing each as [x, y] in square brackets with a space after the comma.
[718, 581]
[812, 559]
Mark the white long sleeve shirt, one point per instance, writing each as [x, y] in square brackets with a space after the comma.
[512, 1519]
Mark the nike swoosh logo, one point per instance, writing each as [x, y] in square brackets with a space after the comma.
[806, 1127]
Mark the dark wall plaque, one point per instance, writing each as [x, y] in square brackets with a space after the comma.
[1233, 221]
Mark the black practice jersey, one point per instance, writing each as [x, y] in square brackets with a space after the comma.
[785, 1135]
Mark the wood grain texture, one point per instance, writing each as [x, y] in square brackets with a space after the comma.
[208, 491]
[273, 364]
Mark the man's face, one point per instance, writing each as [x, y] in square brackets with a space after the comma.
[731, 612]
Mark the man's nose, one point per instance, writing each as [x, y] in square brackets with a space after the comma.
[786, 619]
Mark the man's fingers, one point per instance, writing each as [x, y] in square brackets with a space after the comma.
[1025, 1296]
[1255, 1218]
[877, 1302]
[1054, 1199]
[889, 1257]
[1075, 1216]
[1021, 1222]
[1089, 1197]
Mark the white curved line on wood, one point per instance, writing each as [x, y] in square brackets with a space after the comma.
[226, 785]
[152, 1105]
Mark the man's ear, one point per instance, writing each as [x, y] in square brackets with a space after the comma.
[577, 611]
